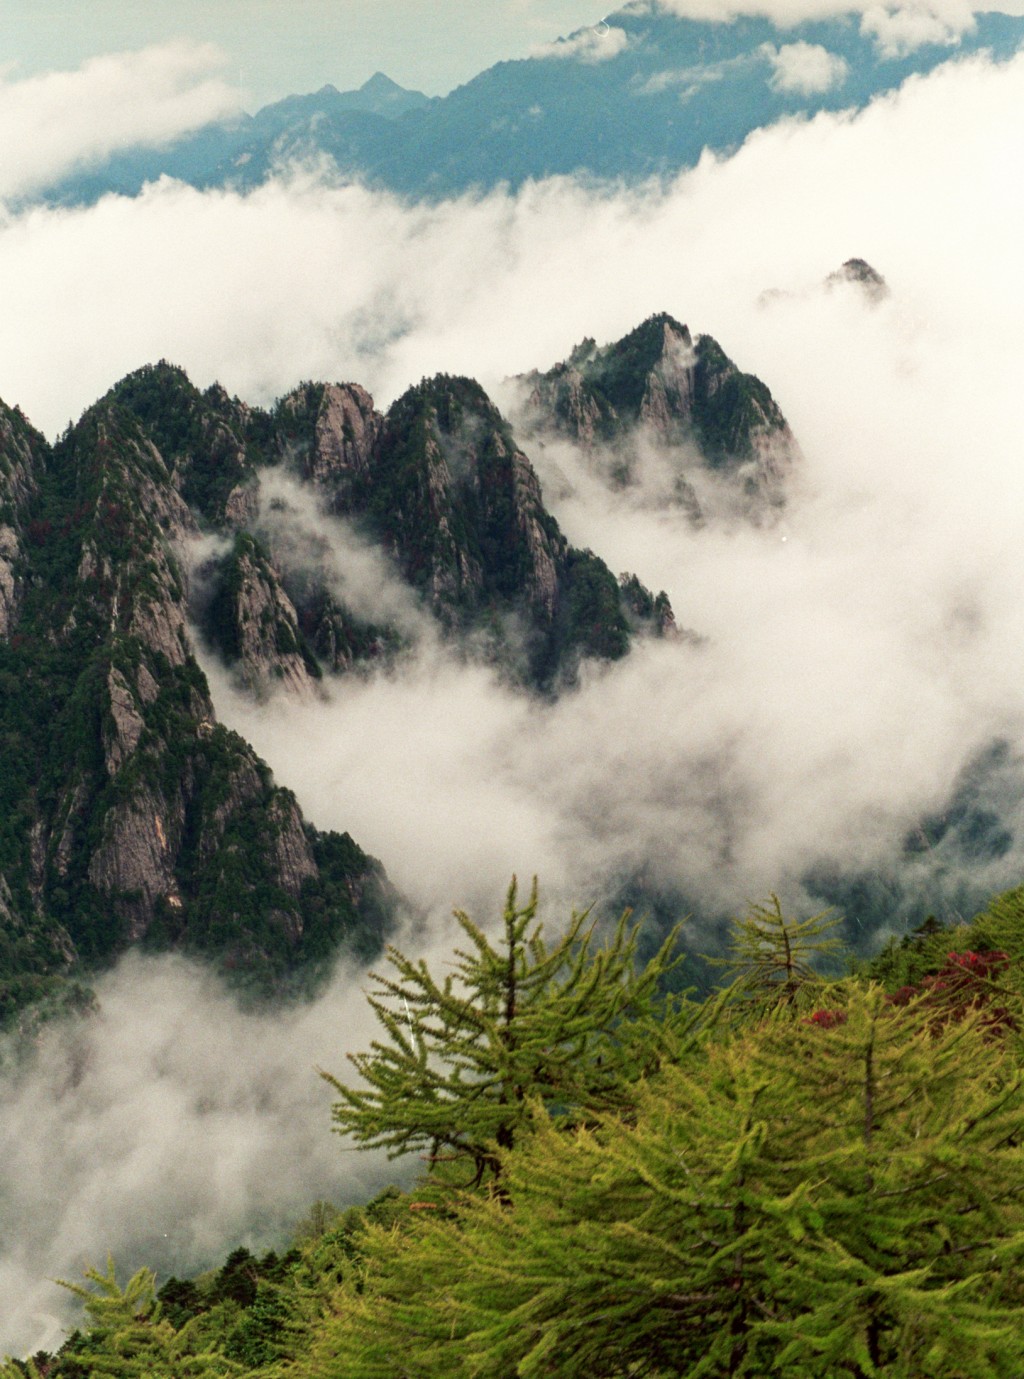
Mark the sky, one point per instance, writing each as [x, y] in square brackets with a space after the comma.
[854, 658]
[268, 49]
[273, 49]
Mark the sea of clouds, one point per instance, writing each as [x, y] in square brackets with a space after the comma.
[853, 657]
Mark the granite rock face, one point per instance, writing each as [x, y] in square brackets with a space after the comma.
[253, 623]
[445, 485]
[129, 815]
[339, 444]
[134, 816]
[659, 389]
[22, 460]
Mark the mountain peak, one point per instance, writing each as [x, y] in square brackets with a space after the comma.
[380, 84]
[862, 275]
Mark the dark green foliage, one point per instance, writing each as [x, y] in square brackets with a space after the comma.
[905, 961]
[729, 407]
[641, 606]
[619, 374]
[690, 392]
[213, 442]
[426, 461]
[350, 900]
[228, 599]
[595, 623]
[238, 1278]
[459, 506]
[339, 638]
[102, 609]
[166, 403]
[181, 1300]
[218, 616]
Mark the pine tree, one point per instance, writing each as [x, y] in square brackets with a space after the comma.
[839, 1194]
[911, 1132]
[516, 1025]
[771, 957]
[129, 1338]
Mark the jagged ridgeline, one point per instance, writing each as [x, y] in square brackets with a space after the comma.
[439, 483]
[130, 815]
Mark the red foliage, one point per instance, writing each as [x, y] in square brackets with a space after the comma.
[965, 982]
[826, 1019]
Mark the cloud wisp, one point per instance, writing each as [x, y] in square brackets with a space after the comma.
[898, 28]
[806, 68]
[164, 1128]
[600, 43]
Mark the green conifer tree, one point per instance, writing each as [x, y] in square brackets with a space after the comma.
[129, 1338]
[772, 957]
[516, 1024]
[840, 1194]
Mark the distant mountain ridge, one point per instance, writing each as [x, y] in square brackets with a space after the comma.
[640, 96]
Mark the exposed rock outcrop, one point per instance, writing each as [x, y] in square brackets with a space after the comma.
[252, 622]
[345, 429]
[141, 818]
[659, 388]
[22, 457]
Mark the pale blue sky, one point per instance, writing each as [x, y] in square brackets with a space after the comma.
[280, 46]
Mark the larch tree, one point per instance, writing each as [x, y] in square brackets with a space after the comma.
[772, 957]
[515, 1025]
[839, 1194]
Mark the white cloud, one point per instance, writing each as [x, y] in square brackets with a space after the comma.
[597, 44]
[50, 123]
[690, 80]
[805, 68]
[899, 28]
[168, 1128]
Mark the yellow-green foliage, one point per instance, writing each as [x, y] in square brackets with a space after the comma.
[821, 1184]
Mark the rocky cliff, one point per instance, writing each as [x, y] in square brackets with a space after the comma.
[442, 484]
[659, 387]
[129, 814]
[22, 461]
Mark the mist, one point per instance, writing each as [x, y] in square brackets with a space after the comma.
[854, 658]
[169, 1127]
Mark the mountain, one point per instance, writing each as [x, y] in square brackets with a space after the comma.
[129, 815]
[640, 95]
[439, 483]
[455, 501]
[658, 386]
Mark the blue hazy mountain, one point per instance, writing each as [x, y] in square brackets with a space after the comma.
[640, 95]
